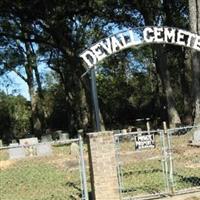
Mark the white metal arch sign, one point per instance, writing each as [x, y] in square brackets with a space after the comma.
[137, 36]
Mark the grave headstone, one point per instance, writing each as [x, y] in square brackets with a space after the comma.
[63, 136]
[59, 131]
[139, 129]
[16, 152]
[29, 146]
[116, 131]
[196, 136]
[60, 135]
[44, 149]
[54, 135]
[74, 149]
[123, 131]
[1, 143]
[46, 138]
[28, 141]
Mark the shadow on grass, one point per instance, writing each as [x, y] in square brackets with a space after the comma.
[146, 171]
[78, 190]
[144, 189]
[193, 180]
[73, 185]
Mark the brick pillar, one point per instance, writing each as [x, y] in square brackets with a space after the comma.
[103, 166]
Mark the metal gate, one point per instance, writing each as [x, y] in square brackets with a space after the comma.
[184, 160]
[155, 163]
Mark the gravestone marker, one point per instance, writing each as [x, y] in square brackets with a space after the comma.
[46, 138]
[74, 149]
[1, 143]
[59, 132]
[116, 131]
[44, 149]
[123, 131]
[63, 136]
[28, 141]
[29, 146]
[196, 137]
[16, 152]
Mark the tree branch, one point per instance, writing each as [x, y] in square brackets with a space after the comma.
[20, 75]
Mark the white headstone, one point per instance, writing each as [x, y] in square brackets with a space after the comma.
[1, 143]
[44, 149]
[16, 152]
[29, 146]
[28, 141]
[74, 149]
[64, 136]
[117, 131]
[197, 136]
[123, 131]
[46, 138]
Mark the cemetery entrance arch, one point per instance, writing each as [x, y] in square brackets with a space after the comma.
[154, 159]
[137, 36]
[106, 47]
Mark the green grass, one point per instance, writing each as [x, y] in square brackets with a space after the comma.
[38, 181]
[4, 155]
[143, 174]
[34, 181]
[45, 178]
[143, 178]
[57, 177]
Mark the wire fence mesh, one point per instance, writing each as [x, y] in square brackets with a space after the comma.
[140, 167]
[44, 171]
[156, 163]
[150, 164]
[184, 150]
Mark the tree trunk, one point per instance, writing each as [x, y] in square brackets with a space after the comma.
[196, 86]
[185, 79]
[40, 99]
[162, 68]
[77, 95]
[37, 119]
[86, 114]
[161, 65]
[194, 11]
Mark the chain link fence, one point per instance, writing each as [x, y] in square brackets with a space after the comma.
[150, 164]
[43, 171]
[184, 159]
[140, 169]
[158, 163]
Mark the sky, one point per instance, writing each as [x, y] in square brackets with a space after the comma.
[13, 84]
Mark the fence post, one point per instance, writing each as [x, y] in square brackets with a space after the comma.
[83, 170]
[119, 170]
[171, 176]
[169, 159]
[103, 166]
[164, 160]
